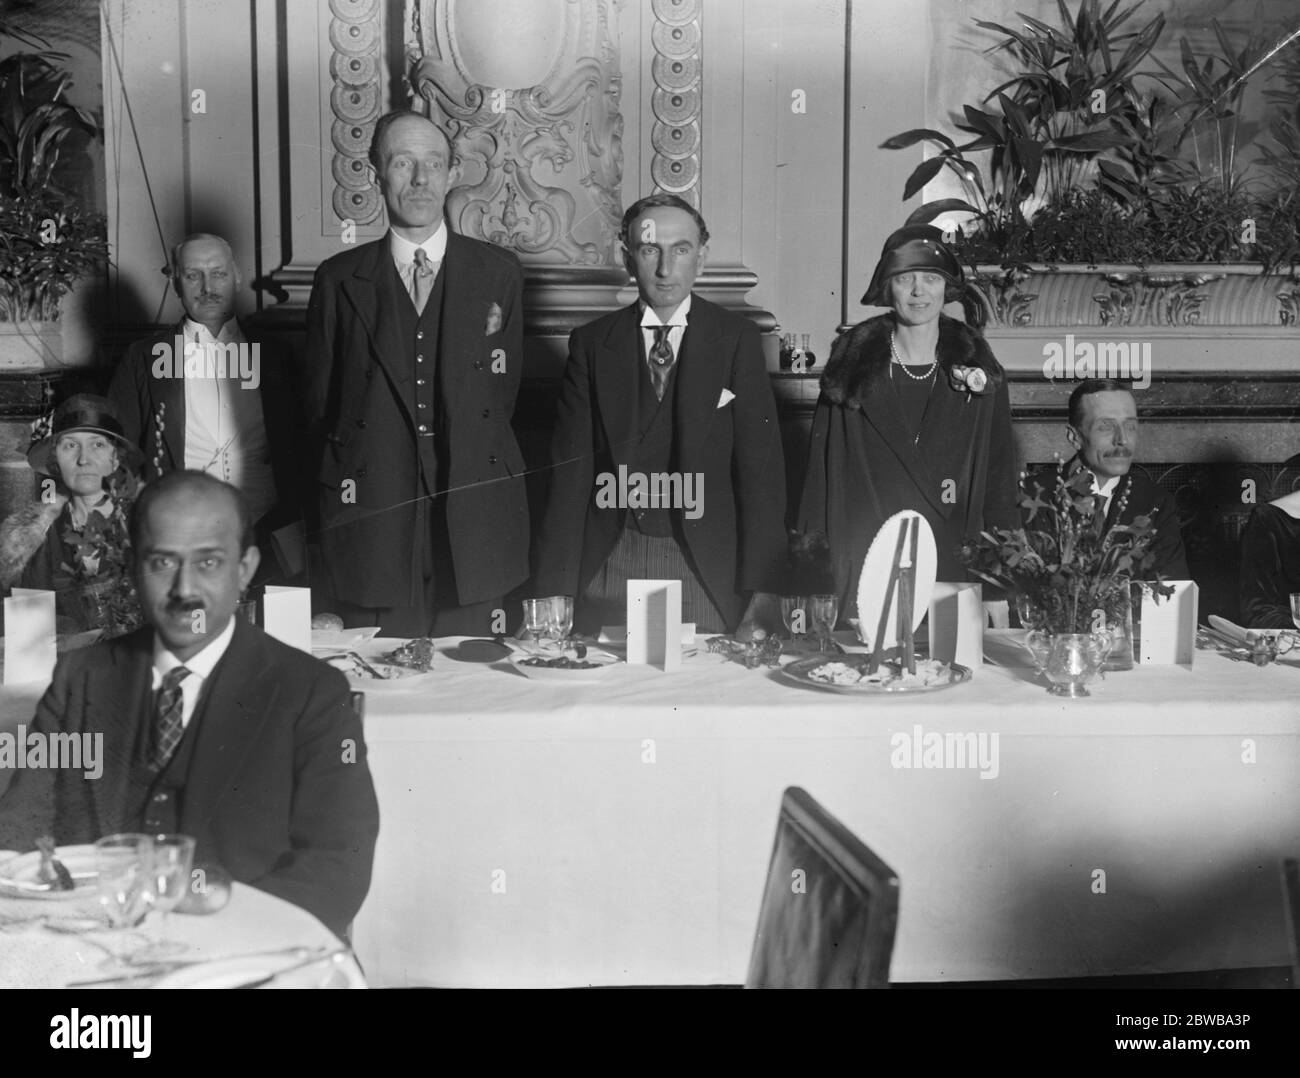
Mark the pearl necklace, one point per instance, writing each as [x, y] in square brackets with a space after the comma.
[893, 350]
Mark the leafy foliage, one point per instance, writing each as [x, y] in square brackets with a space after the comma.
[1063, 561]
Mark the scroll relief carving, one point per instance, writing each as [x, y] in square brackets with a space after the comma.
[542, 165]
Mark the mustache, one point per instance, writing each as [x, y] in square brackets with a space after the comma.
[184, 606]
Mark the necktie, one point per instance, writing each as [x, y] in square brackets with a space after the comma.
[421, 282]
[661, 360]
[167, 716]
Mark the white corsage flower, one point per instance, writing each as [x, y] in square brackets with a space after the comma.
[971, 379]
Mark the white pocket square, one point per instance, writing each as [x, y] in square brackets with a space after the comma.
[725, 398]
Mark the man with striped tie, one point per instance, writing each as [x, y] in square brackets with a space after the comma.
[210, 727]
[666, 460]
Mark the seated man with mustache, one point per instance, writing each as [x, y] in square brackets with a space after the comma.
[1103, 428]
[210, 727]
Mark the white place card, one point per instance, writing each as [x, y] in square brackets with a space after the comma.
[654, 623]
[1167, 629]
[30, 641]
[286, 615]
[957, 619]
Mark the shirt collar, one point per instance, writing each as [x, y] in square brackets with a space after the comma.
[404, 250]
[230, 332]
[677, 318]
[201, 663]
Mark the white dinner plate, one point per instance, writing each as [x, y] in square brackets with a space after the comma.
[394, 676]
[341, 639]
[603, 661]
[18, 875]
[232, 972]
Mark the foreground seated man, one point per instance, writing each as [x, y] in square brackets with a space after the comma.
[210, 727]
[1270, 563]
[1103, 427]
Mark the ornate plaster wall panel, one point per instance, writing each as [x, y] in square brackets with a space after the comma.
[529, 93]
[355, 35]
[678, 98]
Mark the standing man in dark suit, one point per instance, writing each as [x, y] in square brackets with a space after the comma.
[415, 352]
[210, 727]
[215, 394]
[666, 459]
[1103, 428]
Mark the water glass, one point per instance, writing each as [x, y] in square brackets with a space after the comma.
[1295, 608]
[173, 858]
[124, 867]
[537, 617]
[794, 613]
[560, 619]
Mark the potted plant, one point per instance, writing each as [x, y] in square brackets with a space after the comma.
[1071, 578]
[1108, 202]
[47, 240]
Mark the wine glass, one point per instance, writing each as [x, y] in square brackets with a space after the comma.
[124, 866]
[1295, 608]
[823, 611]
[537, 618]
[173, 857]
[560, 618]
[794, 613]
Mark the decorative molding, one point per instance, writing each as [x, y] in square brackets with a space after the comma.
[542, 164]
[1180, 296]
[356, 38]
[677, 101]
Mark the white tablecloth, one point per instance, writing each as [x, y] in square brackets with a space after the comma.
[619, 832]
[34, 956]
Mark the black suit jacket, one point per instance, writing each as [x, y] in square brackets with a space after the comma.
[1145, 498]
[359, 392]
[278, 789]
[739, 542]
[140, 398]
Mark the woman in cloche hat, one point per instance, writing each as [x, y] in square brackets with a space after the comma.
[913, 414]
[73, 538]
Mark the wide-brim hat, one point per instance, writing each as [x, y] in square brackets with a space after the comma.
[84, 412]
[915, 247]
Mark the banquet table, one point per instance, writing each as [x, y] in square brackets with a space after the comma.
[617, 830]
[35, 955]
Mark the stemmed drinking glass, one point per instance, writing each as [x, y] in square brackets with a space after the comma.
[173, 858]
[823, 612]
[124, 866]
[537, 618]
[794, 613]
[1295, 608]
[560, 619]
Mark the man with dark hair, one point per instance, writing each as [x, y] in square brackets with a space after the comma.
[216, 395]
[210, 727]
[415, 344]
[666, 456]
[1103, 428]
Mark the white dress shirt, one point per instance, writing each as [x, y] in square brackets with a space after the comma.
[676, 320]
[225, 430]
[403, 251]
[1105, 491]
[199, 665]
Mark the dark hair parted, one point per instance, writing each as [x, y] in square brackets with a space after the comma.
[1087, 388]
[185, 480]
[386, 121]
[651, 202]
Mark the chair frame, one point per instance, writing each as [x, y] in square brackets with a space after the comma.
[862, 870]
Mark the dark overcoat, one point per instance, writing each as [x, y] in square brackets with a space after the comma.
[360, 396]
[864, 464]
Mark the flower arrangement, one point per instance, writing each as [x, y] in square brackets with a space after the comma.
[1063, 561]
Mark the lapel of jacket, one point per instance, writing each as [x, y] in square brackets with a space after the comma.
[617, 363]
[240, 699]
[119, 703]
[701, 373]
[372, 291]
[460, 332]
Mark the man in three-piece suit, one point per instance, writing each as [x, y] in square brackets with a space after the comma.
[674, 390]
[210, 727]
[415, 352]
[1103, 428]
[216, 394]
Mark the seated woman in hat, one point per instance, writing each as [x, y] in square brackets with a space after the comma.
[913, 414]
[73, 538]
[1270, 561]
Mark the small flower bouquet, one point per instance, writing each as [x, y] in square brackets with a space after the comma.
[98, 563]
[1063, 563]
